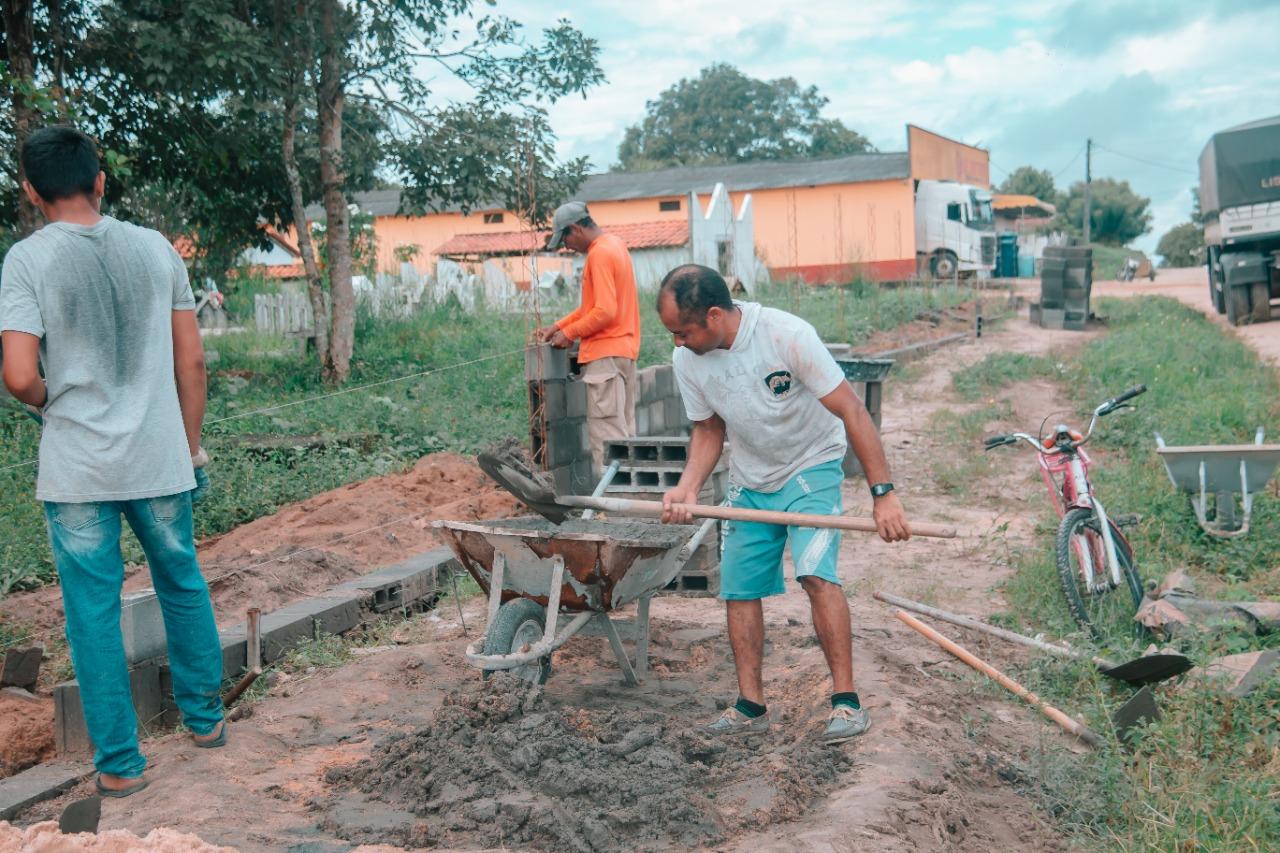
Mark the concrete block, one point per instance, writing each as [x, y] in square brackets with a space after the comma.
[1052, 318]
[676, 418]
[404, 584]
[665, 380]
[22, 667]
[562, 476]
[658, 416]
[71, 736]
[566, 441]
[543, 361]
[575, 393]
[648, 382]
[142, 626]
[643, 426]
[37, 784]
[331, 612]
[550, 398]
[583, 477]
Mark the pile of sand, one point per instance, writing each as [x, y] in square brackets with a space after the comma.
[45, 838]
[498, 767]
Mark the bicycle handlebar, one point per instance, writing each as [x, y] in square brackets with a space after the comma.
[1106, 408]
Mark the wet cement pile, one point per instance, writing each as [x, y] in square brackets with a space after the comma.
[500, 766]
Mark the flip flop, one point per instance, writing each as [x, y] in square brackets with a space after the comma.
[220, 740]
[122, 792]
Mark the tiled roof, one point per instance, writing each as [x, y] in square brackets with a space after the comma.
[1027, 205]
[640, 235]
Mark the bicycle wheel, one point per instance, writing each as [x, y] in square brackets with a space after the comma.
[1103, 609]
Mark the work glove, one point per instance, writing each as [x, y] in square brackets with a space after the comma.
[198, 461]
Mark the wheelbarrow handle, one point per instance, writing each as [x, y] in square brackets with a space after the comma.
[653, 509]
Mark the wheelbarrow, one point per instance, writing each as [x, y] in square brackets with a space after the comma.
[1216, 473]
[536, 573]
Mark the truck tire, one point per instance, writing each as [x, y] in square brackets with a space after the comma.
[1237, 305]
[943, 264]
[1260, 302]
[1216, 298]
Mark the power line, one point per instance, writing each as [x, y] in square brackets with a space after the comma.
[1070, 163]
[1149, 162]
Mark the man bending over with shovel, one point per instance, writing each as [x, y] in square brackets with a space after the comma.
[764, 378]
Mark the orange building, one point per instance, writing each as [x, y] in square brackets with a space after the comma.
[821, 220]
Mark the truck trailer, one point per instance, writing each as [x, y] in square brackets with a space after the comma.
[1240, 202]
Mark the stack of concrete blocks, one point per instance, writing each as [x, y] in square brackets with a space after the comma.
[1066, 279]
[558, 414]
[648, 468]
[414, 582]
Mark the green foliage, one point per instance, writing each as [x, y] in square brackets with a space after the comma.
[1028, 180]
[1182, 246]
[1203, 777]
[851, 313]
[1117, 214]
[1000, 369]
[724, 116]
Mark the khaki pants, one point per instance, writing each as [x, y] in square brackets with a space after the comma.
[611, 403]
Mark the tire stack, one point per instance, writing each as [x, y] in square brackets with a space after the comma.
[1066, 279]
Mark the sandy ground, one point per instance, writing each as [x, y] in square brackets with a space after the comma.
[405, 746]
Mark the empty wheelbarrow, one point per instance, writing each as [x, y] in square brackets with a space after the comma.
[536, 572]
[1214, 474]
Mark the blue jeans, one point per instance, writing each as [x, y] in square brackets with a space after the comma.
[86, 551]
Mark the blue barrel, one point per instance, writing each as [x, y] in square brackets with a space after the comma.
[1026, 266]
[1007, 257]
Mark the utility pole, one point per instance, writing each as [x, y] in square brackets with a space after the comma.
[1088, 178]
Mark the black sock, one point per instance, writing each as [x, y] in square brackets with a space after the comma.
[748, 708]
[850, 699]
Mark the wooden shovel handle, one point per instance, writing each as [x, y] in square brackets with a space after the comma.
[1074, 727]
[791, 519]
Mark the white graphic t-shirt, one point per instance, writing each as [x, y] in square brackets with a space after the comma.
[767, 389]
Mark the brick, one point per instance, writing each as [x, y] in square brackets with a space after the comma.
[142, 626]
[37, 784]
[332, 612]
[70, 735]
[543, 361]
[575, 398]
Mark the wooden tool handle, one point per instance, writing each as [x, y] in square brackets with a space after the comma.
[653, 509]
[1069, 725]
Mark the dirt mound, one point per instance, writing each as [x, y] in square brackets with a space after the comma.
[499, 766]
[45, 838]
[26, 732]
[349, 531]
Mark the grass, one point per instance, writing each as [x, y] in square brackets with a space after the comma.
[460, 409]
[981, 380]
[1204, 776]
[955, 472]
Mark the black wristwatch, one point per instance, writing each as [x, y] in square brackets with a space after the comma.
[879, 490]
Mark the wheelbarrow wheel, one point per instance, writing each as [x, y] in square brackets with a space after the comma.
[519, 623]
[1100, 611]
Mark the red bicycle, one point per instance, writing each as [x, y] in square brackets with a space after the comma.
[1094, 558]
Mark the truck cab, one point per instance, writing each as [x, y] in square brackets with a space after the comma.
[955, 229]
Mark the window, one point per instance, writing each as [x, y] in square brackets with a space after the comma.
[492, 218]
[953, 211]
[672, 204]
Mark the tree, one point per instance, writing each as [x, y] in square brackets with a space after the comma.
[1028, 180]
[724, 116]
[1181, 246]
[1118, 214]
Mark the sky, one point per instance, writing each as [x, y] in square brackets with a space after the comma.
[1149, 82]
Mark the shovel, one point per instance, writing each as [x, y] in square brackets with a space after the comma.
[521, 482]
[1144, 670]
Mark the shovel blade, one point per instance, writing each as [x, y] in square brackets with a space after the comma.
[1140, 709]
[1149, 669]
[520, 482]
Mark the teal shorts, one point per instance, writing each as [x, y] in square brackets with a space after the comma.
[751, 565]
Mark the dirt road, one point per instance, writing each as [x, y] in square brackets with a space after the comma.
[592, 765]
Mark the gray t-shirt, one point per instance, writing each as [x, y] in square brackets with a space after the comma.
[767, 388]
[100, 298]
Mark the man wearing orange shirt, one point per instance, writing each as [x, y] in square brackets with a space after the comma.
[607, 323]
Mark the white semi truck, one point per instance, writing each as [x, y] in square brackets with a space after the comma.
[1240, 201]
[955, 229]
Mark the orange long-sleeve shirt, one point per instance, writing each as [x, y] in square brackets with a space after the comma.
[608, 320]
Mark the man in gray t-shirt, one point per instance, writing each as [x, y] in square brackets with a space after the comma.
[104, 307]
